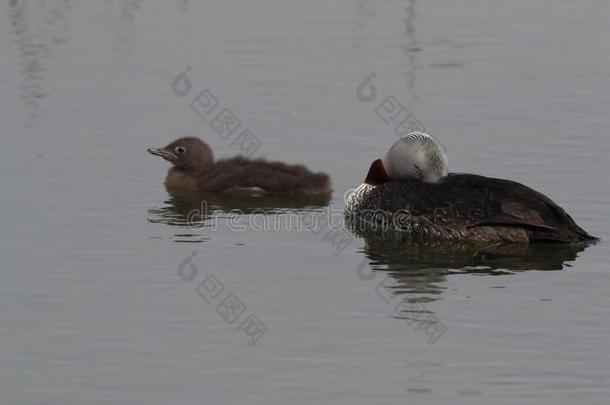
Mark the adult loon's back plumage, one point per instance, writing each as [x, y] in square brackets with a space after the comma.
[466, 207]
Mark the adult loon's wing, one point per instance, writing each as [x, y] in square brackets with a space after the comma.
[467, 201]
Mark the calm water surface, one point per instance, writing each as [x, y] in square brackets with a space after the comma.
[100, 287]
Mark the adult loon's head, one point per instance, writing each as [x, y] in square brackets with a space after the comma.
[416, 156]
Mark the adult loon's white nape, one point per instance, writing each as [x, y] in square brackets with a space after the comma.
[416, 156]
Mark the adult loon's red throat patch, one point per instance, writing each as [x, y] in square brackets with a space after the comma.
[377, 174]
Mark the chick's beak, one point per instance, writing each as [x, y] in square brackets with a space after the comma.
[165, 154]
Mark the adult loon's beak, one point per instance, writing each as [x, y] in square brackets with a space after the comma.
[377, 174]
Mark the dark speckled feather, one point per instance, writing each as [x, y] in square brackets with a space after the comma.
[270, 176]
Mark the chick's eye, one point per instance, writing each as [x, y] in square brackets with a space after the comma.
[180, 150]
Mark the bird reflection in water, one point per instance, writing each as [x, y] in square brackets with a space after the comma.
[408, 274]
[127, 29]
[196, 210]
[37, 29]
[421, 267]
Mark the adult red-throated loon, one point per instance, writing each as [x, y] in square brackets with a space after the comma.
[410, 190]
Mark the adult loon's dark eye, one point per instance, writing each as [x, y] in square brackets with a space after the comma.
[180, 149]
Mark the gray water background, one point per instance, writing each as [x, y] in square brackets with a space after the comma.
[92, 310]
